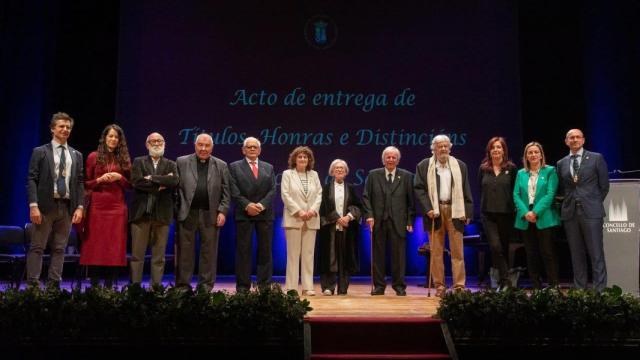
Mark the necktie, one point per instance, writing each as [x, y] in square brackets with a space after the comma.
[60, 183]
[254, 169]
[575, 164]
[390, 178]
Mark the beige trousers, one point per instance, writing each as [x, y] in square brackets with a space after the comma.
[301, 245]
[456, 246]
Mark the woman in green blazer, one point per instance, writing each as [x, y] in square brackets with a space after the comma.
[533, 195]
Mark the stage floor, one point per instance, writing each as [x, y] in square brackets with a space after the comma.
[358, 301]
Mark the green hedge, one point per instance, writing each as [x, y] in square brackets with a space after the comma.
[516, 315]
[136, 314]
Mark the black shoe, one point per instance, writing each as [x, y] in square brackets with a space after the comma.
[377, 291]
[401, 292]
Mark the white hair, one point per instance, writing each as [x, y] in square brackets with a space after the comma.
[250, 138]
[337, 162]
[205, 135]
[440, 138]
[390, 148]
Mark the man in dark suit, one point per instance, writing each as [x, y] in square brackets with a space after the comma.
[56, 197]
[203, 196]
[443, 191]
[389, 209]
[584, 184]
[253, 186]
[154, 179]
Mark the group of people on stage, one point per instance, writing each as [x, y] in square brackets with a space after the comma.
[196, 190]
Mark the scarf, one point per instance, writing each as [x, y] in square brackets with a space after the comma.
[457, 198]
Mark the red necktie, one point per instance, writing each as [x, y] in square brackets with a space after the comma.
[254, 169]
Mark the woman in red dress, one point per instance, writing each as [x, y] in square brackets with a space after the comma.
[107, 177]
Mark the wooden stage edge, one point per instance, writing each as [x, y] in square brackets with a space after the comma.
[359, 302]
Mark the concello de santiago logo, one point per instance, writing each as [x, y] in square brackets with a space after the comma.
[618, 218]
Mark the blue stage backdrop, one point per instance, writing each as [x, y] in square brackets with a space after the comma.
[345, 79]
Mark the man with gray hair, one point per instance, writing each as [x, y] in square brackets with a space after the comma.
[442, 188]
[203, 195]
[253, 186]
[154, 179]
[389, 210]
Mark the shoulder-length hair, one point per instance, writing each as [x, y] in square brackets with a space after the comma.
[294, 154]
[121, 152]
[486, 164]
[525, 162]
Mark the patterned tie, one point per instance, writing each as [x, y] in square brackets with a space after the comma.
[254, 169]
[575, 165]
[62, 186]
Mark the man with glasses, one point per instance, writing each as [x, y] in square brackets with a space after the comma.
[253, 186]
[584, 184]
[154, 179]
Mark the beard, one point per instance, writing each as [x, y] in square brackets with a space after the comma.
[156, 151]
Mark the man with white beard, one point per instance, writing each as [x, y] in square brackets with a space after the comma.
[154, 178]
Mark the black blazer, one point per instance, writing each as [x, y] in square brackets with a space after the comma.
[592, 186]
[402, 204]
[328, 219]
[247, 189]
[422, 193]
[147, 191]
[42, 174]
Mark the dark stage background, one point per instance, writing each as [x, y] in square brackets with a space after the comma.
[527, 70]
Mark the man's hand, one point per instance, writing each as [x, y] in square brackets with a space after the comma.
[253, 209]
[220, 220]
[34, 215]
[77, 216]
[371, 222]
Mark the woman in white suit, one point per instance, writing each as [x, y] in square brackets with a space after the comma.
[301, 194]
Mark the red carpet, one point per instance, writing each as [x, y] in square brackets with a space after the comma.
[375, 338]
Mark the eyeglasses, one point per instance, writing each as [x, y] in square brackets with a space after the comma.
[251, 147]
[156, 142]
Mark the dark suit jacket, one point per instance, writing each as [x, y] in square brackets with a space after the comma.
[217, 186]
[402, 204]
[42, 174]
[422, 193]
[591, 188]
[146, 192]
[246, 189]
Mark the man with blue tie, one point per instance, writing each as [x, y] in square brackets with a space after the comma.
[584, 184]
[56, 194]
[253, 186]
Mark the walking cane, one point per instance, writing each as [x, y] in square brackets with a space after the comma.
[433, 222]
[371, 252]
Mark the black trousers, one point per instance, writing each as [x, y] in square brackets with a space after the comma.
[264, 238]
[538, 243]
[337, 266]
[498, 229]
[382, 234]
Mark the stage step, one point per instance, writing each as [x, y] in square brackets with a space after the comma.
[380, 337]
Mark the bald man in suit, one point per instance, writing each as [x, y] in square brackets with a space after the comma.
[584, 184]
[56, 196]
